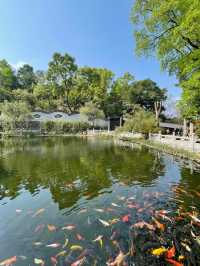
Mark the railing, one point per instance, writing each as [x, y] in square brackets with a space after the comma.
[191, 143]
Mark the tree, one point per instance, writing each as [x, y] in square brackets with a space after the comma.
[113, 105]
[189, 104]
[96, 83]
[14, 114]
[172, 30]
[118, 99]
[7, 76]
[141, 121]
[61, 71]
[5, 94]
[25, 96]
[26, 77]
[122, 86]
[43, 91]
[40, 77]
[147, 94]
[92, 112]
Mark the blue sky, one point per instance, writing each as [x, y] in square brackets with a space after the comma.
[96, 32]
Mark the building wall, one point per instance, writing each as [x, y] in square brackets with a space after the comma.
[61, 116]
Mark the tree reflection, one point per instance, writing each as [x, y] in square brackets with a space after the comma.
[72, 167]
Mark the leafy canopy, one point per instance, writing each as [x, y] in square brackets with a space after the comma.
[26, 77]
[171, 29]
[7, 76]
[62, 69]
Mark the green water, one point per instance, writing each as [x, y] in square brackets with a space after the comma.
[77, 181]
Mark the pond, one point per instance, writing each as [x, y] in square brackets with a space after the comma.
[89, 201]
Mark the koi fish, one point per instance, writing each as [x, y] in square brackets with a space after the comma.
[38, 212]
[170, 253]
[173, 262]
[78, 262]
[54, 261]
[76, 247]
[66, 243]
[79, 237]
[69, 227]
[115, 205]
[126, 218]
[39, 227]
[99, 239]
[54, 245]
[62, 253]
[51, 227]
[104, 222]
[37, 243]
[39, 261]
[99, 210]
[9, 261]
[158, 251]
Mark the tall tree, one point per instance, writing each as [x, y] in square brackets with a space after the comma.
[171, 28]
[96, 83]
[61, 71]
[7, 76]
[122, 86]
[26, 77]
[147, 94]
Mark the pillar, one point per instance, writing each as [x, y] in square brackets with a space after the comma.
[108, 124]
[184, 127]
[191, 129]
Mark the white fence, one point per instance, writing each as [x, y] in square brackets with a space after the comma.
[180, 142]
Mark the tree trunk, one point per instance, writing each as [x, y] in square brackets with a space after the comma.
[158, 108]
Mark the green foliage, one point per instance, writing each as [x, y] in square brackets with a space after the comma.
[61, 71]
[7, 76]
[145, 93]
[65, 87]
[14, 114]
[62, 127]
[5, 95]
[172, 30]
[95, 83]
[91, 111]
[140, 121]
[26, 77]
[24, 96]
[113, 105]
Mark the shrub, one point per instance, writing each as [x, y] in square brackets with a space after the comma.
[141, 122]
[91, 112]
[48, 126]
[14, 115]
[62, 127]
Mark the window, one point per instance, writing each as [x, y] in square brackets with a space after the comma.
[36, 115]
[58, 116]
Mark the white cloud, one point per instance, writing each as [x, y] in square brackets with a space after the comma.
[18, 64]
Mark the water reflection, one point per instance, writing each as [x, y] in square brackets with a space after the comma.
[71, 168]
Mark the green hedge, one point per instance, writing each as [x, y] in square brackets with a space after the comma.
[61, 127]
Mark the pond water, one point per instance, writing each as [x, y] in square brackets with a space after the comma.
[76, 201]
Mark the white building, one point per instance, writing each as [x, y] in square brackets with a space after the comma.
[61, 116]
